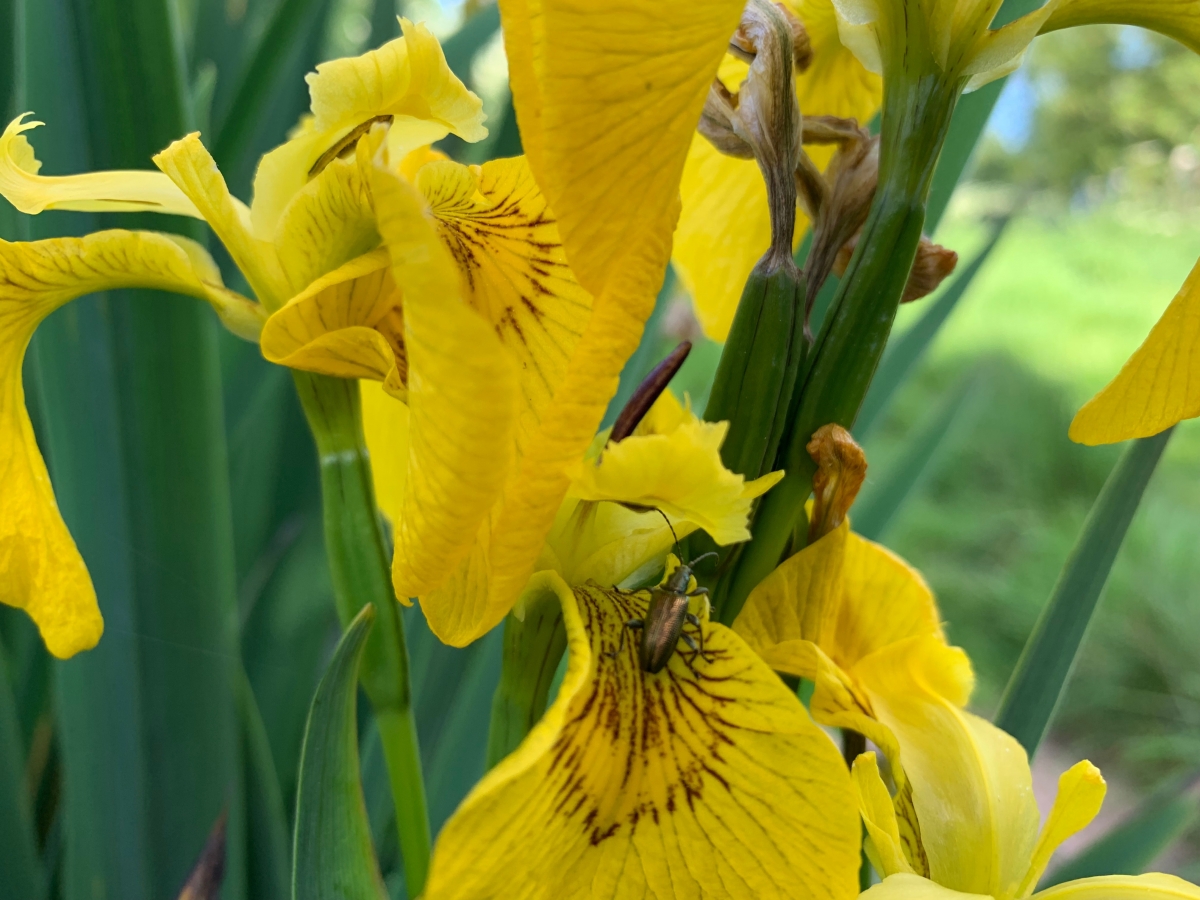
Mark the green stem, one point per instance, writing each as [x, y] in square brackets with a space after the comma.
[916, 116]
[359, 564]
[532, 649]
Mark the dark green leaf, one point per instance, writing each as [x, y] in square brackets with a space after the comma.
[1045, 664]
[266, 821]
[1141, 837]
[23, 877]
[384, 24]
[906, 350]
[646, 356]
[333, 856]
[882, 497]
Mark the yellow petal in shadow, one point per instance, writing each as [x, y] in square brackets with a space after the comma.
[1178, 19]
[1160, 384]
[462, 391]
[41, 570]
[1080, 795]
[706, 779]
[386, 427]
[1123, 887]
[348, 323]
[406, 83]
[879, 816]
[120, 191]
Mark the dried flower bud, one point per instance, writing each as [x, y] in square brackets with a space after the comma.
[841, 469]
[933, 265]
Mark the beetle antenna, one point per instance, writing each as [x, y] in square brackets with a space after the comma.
[678, 552]
[702, 556]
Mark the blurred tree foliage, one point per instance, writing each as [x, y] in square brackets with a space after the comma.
[1114, 111]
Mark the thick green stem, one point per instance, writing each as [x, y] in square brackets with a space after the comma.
[359, 564]
[916, 115]
[533, 647]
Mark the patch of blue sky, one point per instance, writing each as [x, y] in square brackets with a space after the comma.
[1011, 122]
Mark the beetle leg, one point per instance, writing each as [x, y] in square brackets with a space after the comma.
[693, 619]
[632, 623]
[687, 639]
[699, 592]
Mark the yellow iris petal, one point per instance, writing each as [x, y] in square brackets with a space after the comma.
[1159, 385]
[41, 570]
[879, 816]
[971, 786]
[830, 610]
[680, 473]
[341, 323]
[903, 886]
[386, 427]
[706, 779]
[405, 81]
[461, 395]
[1080, 794]
[193, 170]
[608, 99]
[1123, 887]
[122, 191]
[725, 227]
[1178, 19]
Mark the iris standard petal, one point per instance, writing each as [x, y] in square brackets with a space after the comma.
[1081, 791]
[405, 82]
[462, 396]
[1160, 384]
[120, 191]
[884, 846]
[386, 427]
[41, 570]
[193, 170]
[707, 779]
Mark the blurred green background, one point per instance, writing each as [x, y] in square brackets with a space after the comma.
[1091, 156]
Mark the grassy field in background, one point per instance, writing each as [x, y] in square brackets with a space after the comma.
[1062, 303]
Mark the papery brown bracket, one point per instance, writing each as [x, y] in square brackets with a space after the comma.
[841, 470]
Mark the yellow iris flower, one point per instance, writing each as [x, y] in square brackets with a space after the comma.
[706, 779]
[725, 227]
[849, 615]
[313, 213]
[957, 35]
[974, 832]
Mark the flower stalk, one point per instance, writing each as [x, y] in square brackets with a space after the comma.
[360, 567]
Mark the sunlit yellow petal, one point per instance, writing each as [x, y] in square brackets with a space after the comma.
[497, 226]
[341, 324]
[913, 887]
[191, 167]
[680, 473]
[41, 570]
[1179, 19]
[406, 82]
[879, 816]
[971, 785]
[385, 425]
[1081, 792]
[740, 796]
[121, 191]
[461, 394]
[1123, 887]
[1159, 385]
[618, 94]
[835, 83]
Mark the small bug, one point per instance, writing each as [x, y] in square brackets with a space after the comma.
[662, 628]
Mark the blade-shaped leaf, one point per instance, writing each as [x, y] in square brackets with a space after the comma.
[23, 877]
[463, 46]
[266, 820]
[904, 351]
[1045, 664]
[882, 497]
[332, 852]
[1140, 838]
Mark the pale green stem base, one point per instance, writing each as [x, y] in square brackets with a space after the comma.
[359, 564]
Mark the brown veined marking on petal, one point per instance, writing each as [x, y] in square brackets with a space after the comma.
[391, 326]
[910, 830]
[346, 144]
[636, 713]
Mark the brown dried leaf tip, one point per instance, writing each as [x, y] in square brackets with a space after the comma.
[841, 469]
[204, 882]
